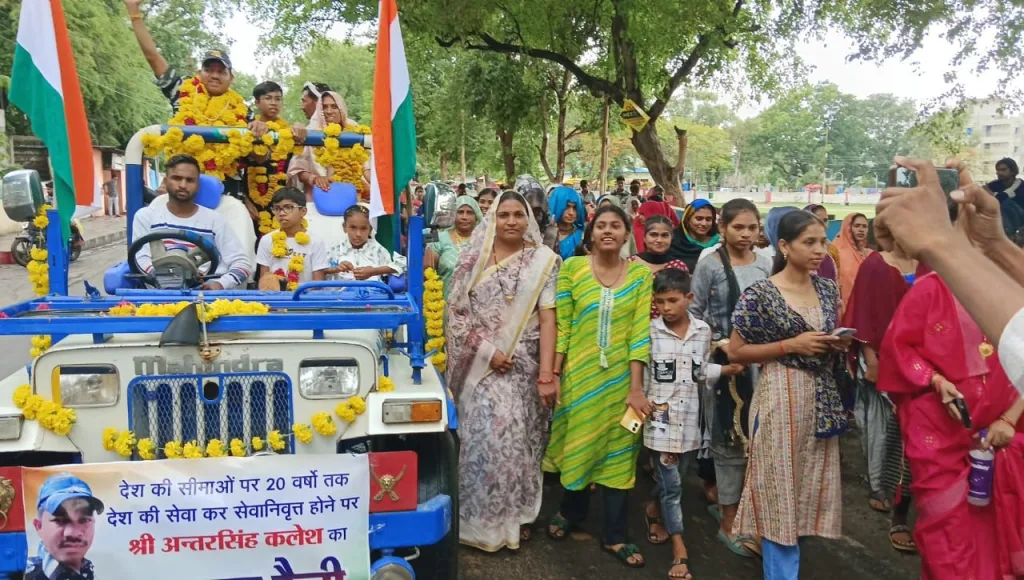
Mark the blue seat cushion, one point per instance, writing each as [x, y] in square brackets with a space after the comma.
[397, 283]
[336, 200]
[210, 191]
[116, 278]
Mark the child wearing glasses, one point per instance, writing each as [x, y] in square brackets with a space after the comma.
[288, 257]
[360, 257]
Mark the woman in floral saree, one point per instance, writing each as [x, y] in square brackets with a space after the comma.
[501, 333]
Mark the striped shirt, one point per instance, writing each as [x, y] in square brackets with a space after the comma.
[679, 369]
[234, 268]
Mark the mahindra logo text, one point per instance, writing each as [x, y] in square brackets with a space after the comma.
[159, 365]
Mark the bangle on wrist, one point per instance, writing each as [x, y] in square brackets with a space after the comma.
[782, 347]
[545, 381]
[1008, 422]
[134, 17]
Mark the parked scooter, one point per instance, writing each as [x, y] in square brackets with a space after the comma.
[31, 236]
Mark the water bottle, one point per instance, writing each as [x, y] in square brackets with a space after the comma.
[979, 481]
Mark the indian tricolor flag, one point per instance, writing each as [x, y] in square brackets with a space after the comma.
[393, 154]
[44, 85]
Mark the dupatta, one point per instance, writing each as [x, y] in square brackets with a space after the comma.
[850, 258]
[763, 316]
[469, 357]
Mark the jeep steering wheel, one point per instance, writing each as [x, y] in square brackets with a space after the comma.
[186, 263]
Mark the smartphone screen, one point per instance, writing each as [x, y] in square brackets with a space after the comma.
[949, 179]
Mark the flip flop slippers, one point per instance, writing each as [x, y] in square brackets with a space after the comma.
[716, 512]
[733, 544]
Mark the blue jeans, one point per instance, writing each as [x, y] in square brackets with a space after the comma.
[670, 489]
[780, 562]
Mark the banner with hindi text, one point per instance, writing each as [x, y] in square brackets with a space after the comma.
[279, 517]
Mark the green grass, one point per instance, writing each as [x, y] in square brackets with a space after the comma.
[839, 210]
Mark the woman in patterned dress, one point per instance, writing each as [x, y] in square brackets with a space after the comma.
[792, 483]
[603, 345]
[501, 349]
[443, 255]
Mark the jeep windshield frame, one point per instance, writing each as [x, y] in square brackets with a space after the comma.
[314, 306]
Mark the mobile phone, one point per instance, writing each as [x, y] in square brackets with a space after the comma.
[949, 179]
[631, 421]
[965, 417]
[841, 332]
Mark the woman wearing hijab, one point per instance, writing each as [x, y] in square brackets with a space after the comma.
[304, 172]
[649, 209]
[697, 231]
[502, 332]
[443, 255]
[852, 244]
[565, 233]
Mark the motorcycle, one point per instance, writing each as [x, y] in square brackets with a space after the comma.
[31, 236]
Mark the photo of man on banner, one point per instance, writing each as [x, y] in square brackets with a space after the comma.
[65, 524]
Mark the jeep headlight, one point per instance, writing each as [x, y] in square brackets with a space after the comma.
[88, 385]
[328, 378]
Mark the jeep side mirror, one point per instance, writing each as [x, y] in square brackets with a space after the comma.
[22, 194]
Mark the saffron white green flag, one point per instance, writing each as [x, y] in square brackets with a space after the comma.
[393, 154]
[44, 84]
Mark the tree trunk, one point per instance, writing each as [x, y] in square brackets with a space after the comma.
[508, 156]
[604, 149]
[544, 137]
[662, 171]
[444, 166]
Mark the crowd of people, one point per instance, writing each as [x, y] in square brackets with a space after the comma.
[595, 336]
[594, 342]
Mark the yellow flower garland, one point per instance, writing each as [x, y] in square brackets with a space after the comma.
[50, 415]
[279, 249]
[38, 268]
[213, 311]
[385, 385]
[433, 311]
[347, 163]
[197, 107]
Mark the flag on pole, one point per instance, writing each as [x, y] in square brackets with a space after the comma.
[393, 155]
[44, 84]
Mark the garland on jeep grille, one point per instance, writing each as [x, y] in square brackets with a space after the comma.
[433, 311]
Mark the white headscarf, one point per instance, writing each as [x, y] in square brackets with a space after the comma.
[317, 121]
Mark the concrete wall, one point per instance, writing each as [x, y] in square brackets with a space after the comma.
[799, 198]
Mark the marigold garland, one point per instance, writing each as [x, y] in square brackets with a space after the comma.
[385, 385]
[50, 415]
[279, 249]
[192, 450]
[276, 440]
[38, 268]
[262, 182]
[323, 423]
[238, 448]
[433, 311]
[347, 163]
[212, 311]
[215, 448]
[197, 107]
[302, 433]
[146, 449]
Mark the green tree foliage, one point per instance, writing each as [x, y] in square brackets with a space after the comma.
[346, 67]
[811, 129]
[644, 51]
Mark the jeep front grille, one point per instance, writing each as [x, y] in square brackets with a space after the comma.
[177, 408]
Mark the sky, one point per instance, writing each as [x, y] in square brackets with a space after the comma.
[919, 78]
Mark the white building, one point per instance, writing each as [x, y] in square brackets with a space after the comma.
[999, 135]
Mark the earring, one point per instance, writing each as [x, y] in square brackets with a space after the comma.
[785, 257]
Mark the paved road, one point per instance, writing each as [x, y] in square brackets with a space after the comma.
[863, 552]
[14, 280]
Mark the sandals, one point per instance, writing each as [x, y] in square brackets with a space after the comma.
[904, 547]
[652, 521]
[624, 553]
[561, 526]
[879, 502]
[735, 545]
[525, 533]
[715, 511]
[680, 562]
[751, 545]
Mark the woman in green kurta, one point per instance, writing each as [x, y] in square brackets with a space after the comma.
[603, 308]
[443, 255]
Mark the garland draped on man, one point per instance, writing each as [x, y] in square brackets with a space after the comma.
[394, 130]
[44, 84]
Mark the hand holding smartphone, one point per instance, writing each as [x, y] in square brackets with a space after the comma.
[842, 332]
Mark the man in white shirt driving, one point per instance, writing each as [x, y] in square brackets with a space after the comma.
[183, 213]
